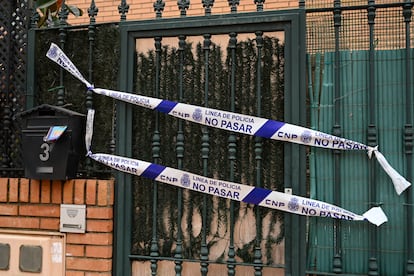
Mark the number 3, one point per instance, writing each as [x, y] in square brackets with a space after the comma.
[44, 156]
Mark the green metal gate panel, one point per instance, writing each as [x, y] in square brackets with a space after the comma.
[171, 69]
[356, 245]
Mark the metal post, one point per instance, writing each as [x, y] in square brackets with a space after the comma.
[372, 135]
[408, 138]
[205, 149]
[232, 152]
[63, 16]
[258, 156]
[156, 143]
[180, 155]
[337, 261]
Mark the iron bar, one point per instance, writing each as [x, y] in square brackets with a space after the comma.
[372, 133]
[180, 156]
[156, 145]
[337, 259]
[92, 12]
[63, 16]
[205, 150]
[232, 151]
[258, 156]
[408, 139]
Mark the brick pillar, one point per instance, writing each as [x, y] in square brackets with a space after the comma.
[35, 206]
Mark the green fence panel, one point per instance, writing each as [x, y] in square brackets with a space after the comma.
[356, 248]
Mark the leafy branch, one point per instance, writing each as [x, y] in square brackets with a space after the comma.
[49, 11]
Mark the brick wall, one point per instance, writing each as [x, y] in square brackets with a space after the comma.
[35, 205]
[144, 9]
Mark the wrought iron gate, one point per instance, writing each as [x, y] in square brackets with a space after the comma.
[248, 63]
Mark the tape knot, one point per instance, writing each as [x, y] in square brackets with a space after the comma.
[371, 150]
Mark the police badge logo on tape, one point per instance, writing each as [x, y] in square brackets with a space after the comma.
[293, 204]
[185, 180]
[53, 52]
[197, 115]
[306, 137]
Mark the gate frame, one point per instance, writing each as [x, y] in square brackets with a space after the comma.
[292, 22]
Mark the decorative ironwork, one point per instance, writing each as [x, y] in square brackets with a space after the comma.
[93, 11]
[159, 8]
[34, 19]
[63, 16]
[207, 5]
[123, 9]
[13, 49]
[259, 4]
[233, 5]
[183, 6]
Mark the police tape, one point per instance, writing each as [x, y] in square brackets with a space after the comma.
[240, 123]
[225, 189]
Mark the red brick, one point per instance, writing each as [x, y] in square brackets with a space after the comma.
[3, 189]
[40, 210]
[93, 225]
[68, 192]
[75, 250]
[111, 191]
[74, 273]
[57, 191]
[102, 193]
[13, 190]
[79, 191]
[45, 191]
[8, 209]
[99, 213]
[24, 190]
[89, 238]
[98, 273]
[19, 222]
[99, 251]
[91, 192]
[88, 264]
[49, 223]
[34, 191]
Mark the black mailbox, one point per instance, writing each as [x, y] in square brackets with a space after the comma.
[52, 142]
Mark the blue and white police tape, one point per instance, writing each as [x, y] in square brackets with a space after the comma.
[234, 191]
[244, 124]
[225, 189]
